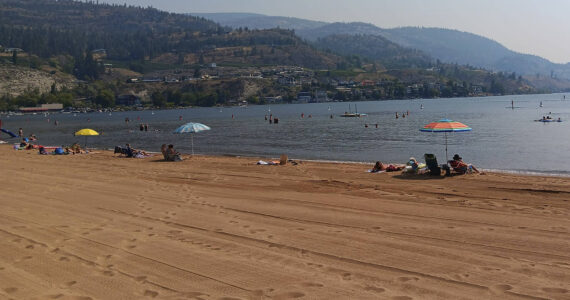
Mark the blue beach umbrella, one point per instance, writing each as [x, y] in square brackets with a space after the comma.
[191, 128]
[445, 126]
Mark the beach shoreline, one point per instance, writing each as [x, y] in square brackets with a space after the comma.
[217, 227]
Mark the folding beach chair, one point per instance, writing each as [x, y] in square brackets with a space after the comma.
[431, 162]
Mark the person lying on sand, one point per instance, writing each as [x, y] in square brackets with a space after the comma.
[379, 166]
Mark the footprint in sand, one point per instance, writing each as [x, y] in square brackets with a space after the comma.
[374, 289]
[230, 298]
[402, 298]
[81, 298]
[406, 279]
[70, 283]
[149, 293]
[313, 284]
[314, 265]
[64, 258]
[502, 287]
[288, 295]
[10, 290]
[57, 296]
[555, 290]
[25, 258]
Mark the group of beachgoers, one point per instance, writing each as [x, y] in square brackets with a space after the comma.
[30, 143]
[169, 153]
[27, 143]
[549, 118]
[74, 148]
[128, 151]
[456, 165]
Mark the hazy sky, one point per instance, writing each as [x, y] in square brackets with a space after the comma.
[540, 27]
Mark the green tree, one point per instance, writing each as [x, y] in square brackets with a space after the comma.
[105, 98]
[158, 99]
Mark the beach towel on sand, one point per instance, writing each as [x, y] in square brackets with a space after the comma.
[272, 163]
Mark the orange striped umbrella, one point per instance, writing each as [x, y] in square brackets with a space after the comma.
[445, 126]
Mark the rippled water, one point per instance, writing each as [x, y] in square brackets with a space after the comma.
[502, 138]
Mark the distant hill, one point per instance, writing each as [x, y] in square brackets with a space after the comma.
[258, 21]
[446, 45]
[455, 46]
[353, 28]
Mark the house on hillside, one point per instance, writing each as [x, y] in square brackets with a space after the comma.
[273, 100]
[128, 100]
[304, 97]
[321, 96]
[11, 50]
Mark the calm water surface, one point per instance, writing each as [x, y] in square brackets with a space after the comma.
[502, 138]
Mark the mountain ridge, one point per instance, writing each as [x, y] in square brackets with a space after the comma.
[446, 45]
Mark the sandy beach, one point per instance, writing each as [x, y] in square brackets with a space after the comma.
[98, 226]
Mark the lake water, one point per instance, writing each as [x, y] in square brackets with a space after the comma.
[503, 138]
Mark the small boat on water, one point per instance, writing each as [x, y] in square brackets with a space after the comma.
[548, 120]
[350, 114]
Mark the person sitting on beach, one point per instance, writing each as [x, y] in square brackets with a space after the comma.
[379, 166]
[163, 149]
[24, 143]
[129, 151]
[171, 154]
[461, 167]
[76, 149]
[413, 162]
[132, 152]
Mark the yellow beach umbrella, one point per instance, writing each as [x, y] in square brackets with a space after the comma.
[86, 132]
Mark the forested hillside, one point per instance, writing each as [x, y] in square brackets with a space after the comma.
[447, 45]
[48, 28]
[376, 48]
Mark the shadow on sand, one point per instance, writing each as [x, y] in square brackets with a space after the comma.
[422, 176]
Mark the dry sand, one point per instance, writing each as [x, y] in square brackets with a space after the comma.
[102, 227]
